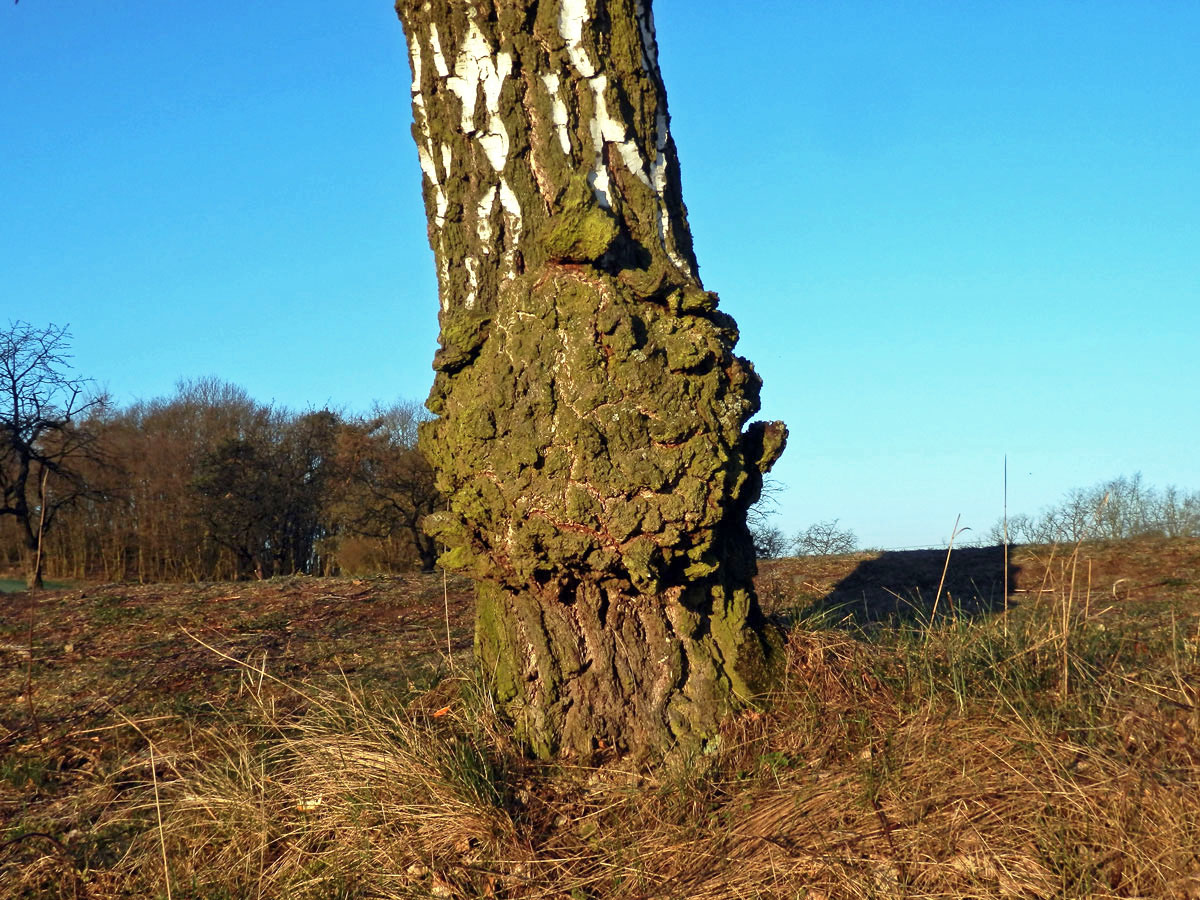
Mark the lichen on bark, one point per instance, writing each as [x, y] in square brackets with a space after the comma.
[591, 416]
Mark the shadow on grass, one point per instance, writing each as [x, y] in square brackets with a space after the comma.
[902, 587]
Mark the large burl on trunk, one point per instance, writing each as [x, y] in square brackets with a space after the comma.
[589, 406]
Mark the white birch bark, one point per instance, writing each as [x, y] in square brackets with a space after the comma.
[502, 121]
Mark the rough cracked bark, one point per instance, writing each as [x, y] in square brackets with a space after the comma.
[589, 406]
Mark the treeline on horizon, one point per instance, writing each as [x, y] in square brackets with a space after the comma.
[1120, 508]
[209, 484]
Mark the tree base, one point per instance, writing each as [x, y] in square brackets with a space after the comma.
[601, 670]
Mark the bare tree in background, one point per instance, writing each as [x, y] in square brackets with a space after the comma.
[261, 494]
[769, 540]
[41, 405]
[388, 485]
[824, 539]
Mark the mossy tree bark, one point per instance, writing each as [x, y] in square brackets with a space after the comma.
[590, 411]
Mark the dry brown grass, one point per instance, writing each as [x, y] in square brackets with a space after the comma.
[1055, 753]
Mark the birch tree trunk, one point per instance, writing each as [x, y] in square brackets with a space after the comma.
[589, 406]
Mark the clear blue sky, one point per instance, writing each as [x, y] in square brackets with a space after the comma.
[949, 231]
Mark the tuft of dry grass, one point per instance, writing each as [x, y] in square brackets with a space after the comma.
[356, 790]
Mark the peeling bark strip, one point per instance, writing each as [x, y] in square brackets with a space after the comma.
[590, 408]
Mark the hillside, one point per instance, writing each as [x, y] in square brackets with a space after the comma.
[309, 737]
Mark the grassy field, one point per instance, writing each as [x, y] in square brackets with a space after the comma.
[938, 734]
[14, 585]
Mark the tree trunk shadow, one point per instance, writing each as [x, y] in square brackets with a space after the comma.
[909, 587]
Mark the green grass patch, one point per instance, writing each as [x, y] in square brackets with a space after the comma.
[16, 585]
